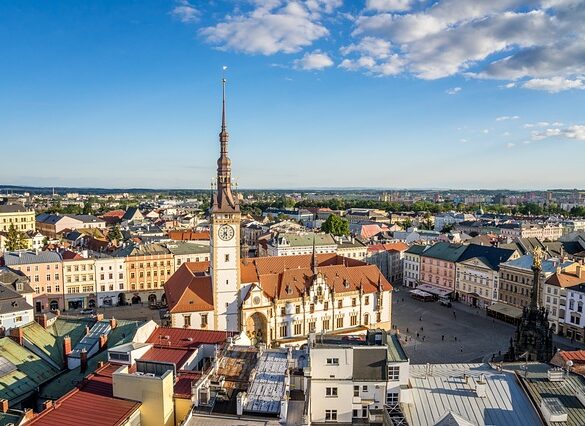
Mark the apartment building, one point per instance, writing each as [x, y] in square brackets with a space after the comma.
[438, 266]
[411, 265]
[389, 259]
[148, 267]
[45, 272]
[79, 281]
[353, 379]
[110, 280]
[516, 278]
[18, 215]
[555, 294]
[574, 321]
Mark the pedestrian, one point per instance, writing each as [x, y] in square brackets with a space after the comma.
[461, 348]
[422, 329]
[407, 329]
[420, 318]
[403, 299]
[417, 334]
[455, 338]
[424, 338]
[443, 337]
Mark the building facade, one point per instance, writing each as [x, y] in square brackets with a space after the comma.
[110, 280]
[79, 281]
[18, 215]
[412, 261]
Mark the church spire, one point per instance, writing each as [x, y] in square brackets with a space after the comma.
[224, 200]
[314, 262]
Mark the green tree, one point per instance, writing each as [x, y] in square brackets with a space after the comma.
[15, 240]
[335, 225]
[115, 234]
[87, 208]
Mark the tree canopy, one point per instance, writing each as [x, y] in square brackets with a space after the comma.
[15, 240]
[335, 225]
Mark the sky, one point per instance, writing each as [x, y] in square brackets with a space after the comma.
[321, 93]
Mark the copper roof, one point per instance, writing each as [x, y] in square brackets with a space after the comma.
[189, 235]
[171, 355]
[91, 403]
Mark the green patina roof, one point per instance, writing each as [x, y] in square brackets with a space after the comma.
[123, 333]
[181, 248]
[31, 371]
[10, 419]
[395, 350]
[303, 240]
[416, 249]
[50, 340]
[445, 251]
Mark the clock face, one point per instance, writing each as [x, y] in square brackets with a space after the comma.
[225, 232]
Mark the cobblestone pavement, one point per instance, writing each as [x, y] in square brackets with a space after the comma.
[449, 335]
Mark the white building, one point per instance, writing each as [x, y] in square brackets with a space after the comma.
[574, 320]
[110, 275]
[411, 267]
[293, 244]
[16, 299]
[351, 379]
[450, 218]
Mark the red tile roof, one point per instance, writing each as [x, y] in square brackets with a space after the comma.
[114, 213]
[71, 255]
[186, 338]
[189, 235]
[577, 357]
[92, 403]
[398, 246]
[282, 277]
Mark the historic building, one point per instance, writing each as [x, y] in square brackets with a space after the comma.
[275, 300]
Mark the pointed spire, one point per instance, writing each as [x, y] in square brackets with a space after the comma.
[223, 115]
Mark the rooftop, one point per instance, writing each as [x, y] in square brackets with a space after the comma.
[23, 257]
[442, 388]
[187, 338]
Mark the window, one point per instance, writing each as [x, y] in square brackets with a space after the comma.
[331, 392]
[332, 361]
[297, 309]
[187, 320]
[353, 320]
[340, 304]
[339, 322]
[366, 319]
[393, 373]
[203, 320]
[353, 302]
[392, 399]
[298, 328]
[48, 277]
[325, 324]
[330, 415]
[283, 330]
[356, 390]
[227, 257]
[312, 308]
[367, 300]
[312, 326]
[364, 388]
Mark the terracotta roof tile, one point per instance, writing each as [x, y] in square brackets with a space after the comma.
[186, 338]
[189, 235]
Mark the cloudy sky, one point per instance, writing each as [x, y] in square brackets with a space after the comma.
[321, 93]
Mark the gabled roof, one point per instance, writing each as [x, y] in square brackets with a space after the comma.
[188, 292]
[24, 257]
[416, 249]
[565, 279]
[398, 246]
[13, 208]
[11, 301]
[452, 419]
[12, 277]
[189, 235]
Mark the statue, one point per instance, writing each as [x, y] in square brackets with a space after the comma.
[537, 256]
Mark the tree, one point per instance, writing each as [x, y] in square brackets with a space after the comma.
[335, 225]
[87, 208]
[15, 240]
[115, 234]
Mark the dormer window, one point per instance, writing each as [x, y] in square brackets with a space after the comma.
[288, 290]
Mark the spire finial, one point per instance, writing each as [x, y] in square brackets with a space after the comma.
[223, 118]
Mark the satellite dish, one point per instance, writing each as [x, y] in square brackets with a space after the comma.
[569, 363]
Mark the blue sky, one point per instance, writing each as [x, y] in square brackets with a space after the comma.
[321, 93]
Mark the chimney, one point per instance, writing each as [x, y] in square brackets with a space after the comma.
[42, 320]
[113, 323]
[83, 358]
[66, 345]
[47, 404]
[4, 405]
[99, 317]
[103, 341]
[481, 387]
[17, 335]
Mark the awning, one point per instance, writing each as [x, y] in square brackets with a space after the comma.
[421, 293]
[437, 291]
[506, 310]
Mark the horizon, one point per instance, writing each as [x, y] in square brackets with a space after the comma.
[371, 94]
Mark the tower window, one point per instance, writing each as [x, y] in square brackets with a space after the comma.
[227, 257]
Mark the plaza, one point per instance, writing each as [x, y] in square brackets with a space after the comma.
[459, 334]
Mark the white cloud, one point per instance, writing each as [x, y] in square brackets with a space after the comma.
[534, 44]
[554, 84]
[388, 5]
[510, 145]
[485, 131]
[507, 117]
[185, 12]
[463, 140]
[453, 91]
[272, 27]
[314, 61]
[576, 132]
[373, 55]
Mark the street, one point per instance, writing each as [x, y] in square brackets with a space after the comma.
[438, 334]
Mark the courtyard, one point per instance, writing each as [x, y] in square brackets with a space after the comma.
[434, 333]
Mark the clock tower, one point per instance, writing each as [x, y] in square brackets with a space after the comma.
[225, 240]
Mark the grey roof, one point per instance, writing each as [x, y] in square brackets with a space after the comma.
[491, 256]
[23, 257]
[416, 249]
[92, 338]
[536, 382]
[11, 277]
[306, 239]
[526, 261]
[126, 347]
[369, 363]
[11, 301]
[141, 250]
[267, 387]
[443, 388]
[182, 247]
[395, 349]
[12, 208]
